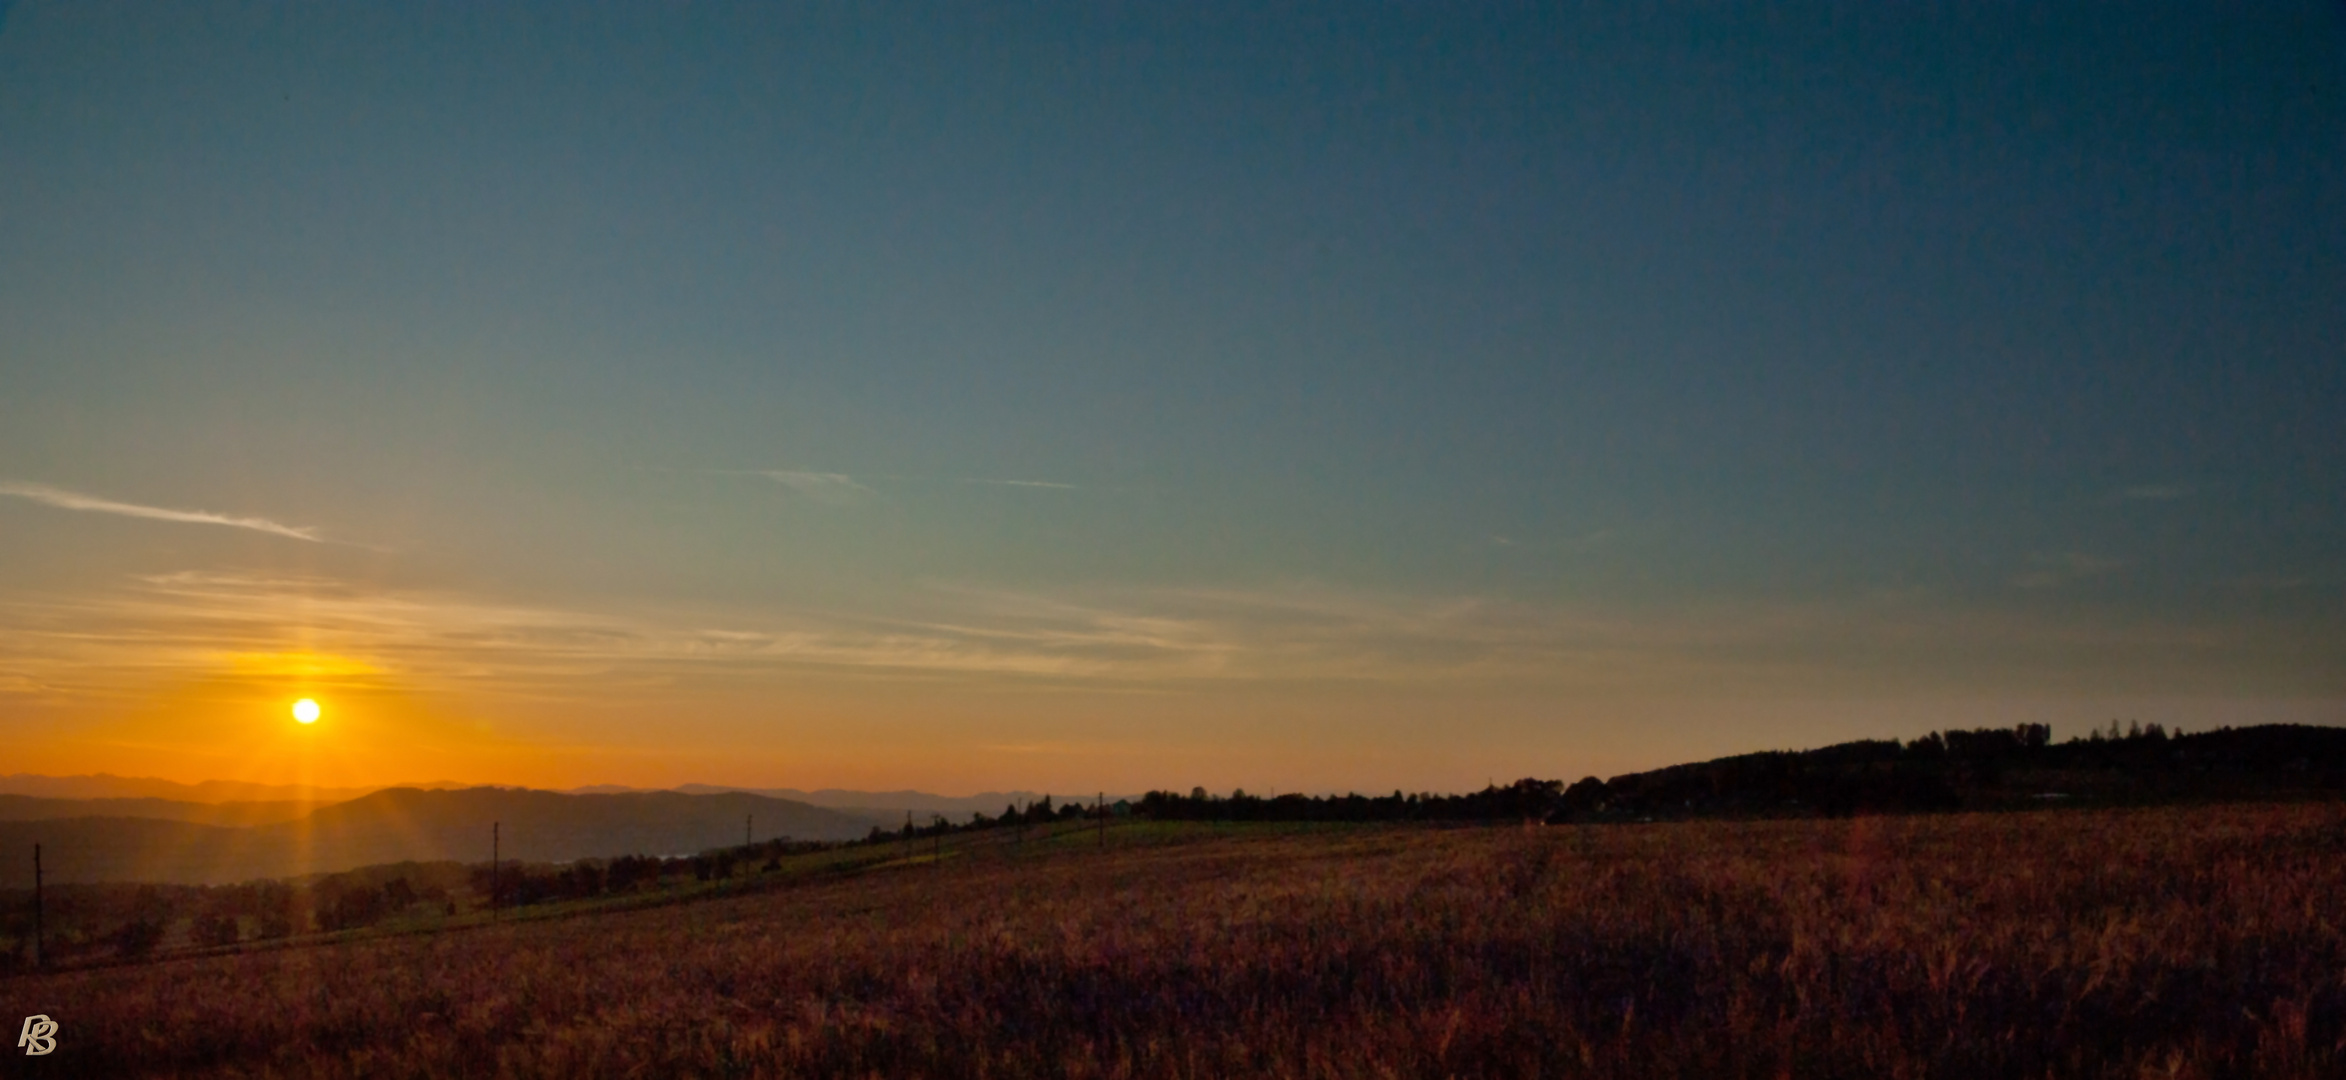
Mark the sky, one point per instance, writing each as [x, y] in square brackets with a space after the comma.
[1118, 396]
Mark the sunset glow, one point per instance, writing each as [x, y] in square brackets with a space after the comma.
[1404, 397]
[1173, 539]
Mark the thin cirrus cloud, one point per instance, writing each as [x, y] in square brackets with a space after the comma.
[187, 624]
[819, 485]
[1021, 483]
[73, 500]
[2049, 571]
[840, 487]
[194, 625]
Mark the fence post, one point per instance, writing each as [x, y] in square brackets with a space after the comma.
[496, 876]
[1100, 807]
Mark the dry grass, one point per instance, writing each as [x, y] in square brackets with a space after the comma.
[2188, 943]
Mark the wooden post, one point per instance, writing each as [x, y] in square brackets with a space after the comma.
[1100, 807]
[939, 850]
[908, 834]
[745, 820]
[40, 940]
[496, 877]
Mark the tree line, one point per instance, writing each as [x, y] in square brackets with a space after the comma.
[1944, 770]
[1979, 768]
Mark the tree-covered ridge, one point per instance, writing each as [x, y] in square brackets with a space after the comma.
[1984, 768]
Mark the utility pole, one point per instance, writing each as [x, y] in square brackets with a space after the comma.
[496, 879]
[40, 941]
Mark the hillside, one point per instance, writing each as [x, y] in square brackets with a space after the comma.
[404, 825]
[547, 826]
[1986, 769]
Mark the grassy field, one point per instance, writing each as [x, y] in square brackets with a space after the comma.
[2187, 943]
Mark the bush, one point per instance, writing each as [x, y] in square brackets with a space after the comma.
[138, 937]
[216, 929]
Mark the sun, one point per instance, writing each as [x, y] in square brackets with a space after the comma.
[306, 711]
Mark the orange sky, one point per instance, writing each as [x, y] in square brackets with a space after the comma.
[405, 707]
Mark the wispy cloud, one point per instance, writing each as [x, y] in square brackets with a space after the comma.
[841, 487]
[817, 485]
[2052, 571]
[1020, 483]
[72, 500]
[1547, 543]
[193, 626]
[2272, 583]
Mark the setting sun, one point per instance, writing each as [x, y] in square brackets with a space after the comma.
[306, 711]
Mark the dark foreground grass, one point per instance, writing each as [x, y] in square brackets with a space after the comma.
[2185, 943]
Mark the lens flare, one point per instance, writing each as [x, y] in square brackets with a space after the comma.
[306, 711]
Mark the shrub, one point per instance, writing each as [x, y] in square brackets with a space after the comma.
[215, 929]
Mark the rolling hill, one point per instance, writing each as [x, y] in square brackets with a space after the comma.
[405, 824]
[109, 786]
[33, 808]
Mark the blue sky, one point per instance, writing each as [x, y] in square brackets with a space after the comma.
[1330, 395]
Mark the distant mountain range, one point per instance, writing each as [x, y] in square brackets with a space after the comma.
[31, 808]
[115, 828]
[892, 804]
[109, 786]
[192, 846]
[105, 786]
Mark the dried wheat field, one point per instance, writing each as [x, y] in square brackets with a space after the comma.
[2186, 942]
